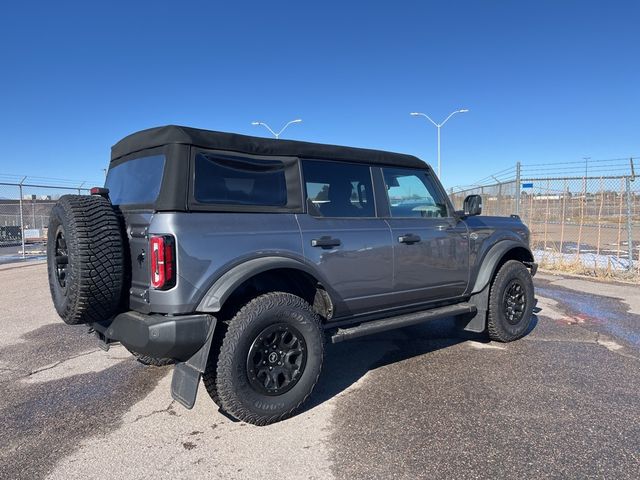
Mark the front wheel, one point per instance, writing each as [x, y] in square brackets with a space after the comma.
[511, 302]
[269, 361]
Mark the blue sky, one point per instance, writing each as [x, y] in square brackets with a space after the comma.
[545, 81]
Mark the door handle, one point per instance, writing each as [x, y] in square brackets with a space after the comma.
[409, 238]
[448, 226]
[325, 242]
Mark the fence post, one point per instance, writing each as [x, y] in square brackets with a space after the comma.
[518, 187]
[21, 216]
[629, 222]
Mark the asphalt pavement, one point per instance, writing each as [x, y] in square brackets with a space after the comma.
[421, 402]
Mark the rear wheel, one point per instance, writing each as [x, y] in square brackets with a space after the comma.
[269, 360]
[511, 302]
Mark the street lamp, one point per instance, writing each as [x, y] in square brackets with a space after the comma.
[438, 125]
[277, 135]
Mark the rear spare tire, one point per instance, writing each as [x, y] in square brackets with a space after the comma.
[85, 259]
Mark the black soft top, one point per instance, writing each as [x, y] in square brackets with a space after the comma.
[174, 134]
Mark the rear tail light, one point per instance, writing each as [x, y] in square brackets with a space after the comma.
[163, 262]
[103, 192]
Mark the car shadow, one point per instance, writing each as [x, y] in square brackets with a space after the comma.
[345, 363]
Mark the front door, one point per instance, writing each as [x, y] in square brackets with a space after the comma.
[342, 236]
[430, 245]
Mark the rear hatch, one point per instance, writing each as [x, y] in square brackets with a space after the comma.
[134, 186]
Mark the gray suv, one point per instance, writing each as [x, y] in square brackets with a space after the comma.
[237, 257]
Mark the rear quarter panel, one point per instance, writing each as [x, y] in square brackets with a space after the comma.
[208, 244]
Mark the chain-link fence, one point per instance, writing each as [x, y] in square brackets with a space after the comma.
[25, 205]
[587, 223]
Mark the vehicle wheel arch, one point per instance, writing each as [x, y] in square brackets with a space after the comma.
[497, 256]
[263, 275]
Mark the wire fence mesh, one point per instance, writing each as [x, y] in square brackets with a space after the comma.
[588, 224]
[25, 205]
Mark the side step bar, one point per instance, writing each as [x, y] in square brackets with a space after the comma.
[391, 323]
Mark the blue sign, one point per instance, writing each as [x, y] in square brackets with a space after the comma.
[527, 185]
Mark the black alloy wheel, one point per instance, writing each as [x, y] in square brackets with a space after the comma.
[514, 302]
[276, 359]
[61, 258]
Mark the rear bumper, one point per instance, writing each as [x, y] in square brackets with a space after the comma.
[162, 336]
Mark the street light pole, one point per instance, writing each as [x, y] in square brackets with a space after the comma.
[438, 126]
[439, 166]
[277, 135]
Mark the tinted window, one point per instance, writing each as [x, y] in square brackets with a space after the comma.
[231, 180]
[338, 189]
[413, 194]
[136, 181]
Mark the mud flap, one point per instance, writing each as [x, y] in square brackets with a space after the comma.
[477, 322]
[186, 375]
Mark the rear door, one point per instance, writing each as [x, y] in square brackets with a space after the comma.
[343, 237]
[430, 245]
[134, 186]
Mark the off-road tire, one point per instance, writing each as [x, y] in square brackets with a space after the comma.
[210, 375]
[90, 288]
[230, 385]
[499, 327]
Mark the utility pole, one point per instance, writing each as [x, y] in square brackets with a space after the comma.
[518, 187]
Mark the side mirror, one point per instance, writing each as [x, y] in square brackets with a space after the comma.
[472, 205]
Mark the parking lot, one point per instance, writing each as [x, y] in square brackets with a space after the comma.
[13, 253]
[422, 402]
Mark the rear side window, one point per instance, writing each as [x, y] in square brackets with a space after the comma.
[340, 190]
[228, 180]
[137, 181]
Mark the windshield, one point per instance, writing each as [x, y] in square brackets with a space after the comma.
[136, 182]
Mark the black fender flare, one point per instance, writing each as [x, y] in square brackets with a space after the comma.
[225, 285]
[491, 260]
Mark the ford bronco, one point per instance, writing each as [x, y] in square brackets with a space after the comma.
[237, 257]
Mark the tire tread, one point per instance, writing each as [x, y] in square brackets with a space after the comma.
[93, 233]
[219, 384]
